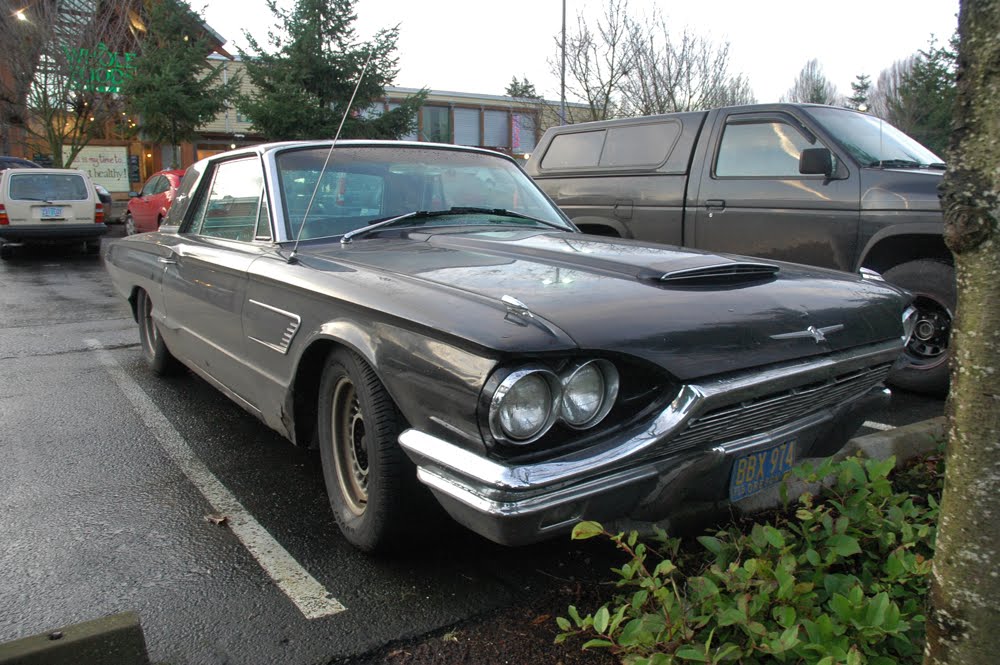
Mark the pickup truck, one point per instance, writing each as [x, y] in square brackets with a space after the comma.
[804, 183]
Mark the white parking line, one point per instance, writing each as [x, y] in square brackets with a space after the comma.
[871, 424]
[309, 596]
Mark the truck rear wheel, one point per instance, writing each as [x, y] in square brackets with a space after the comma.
[933, 284]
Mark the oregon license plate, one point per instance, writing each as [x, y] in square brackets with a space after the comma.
[52, 211]
[757, 471]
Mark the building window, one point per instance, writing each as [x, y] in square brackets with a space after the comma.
[467, 127]
[435, 124]
[496, 132]
[522, 132]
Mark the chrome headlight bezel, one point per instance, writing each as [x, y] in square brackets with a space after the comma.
[609, 392]
[558, 378]
[503, 390]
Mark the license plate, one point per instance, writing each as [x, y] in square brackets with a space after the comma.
[51, 211]
[760, 470]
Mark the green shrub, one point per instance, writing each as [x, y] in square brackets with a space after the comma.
[838, 578]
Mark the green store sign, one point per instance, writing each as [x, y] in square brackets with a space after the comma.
[98, 69]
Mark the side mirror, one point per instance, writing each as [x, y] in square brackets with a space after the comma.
[816, 161]
[133, 195]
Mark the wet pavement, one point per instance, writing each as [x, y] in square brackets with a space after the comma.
[99, 515]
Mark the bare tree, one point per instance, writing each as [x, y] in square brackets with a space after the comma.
[627, 65]
[66, 61]
[598, 60]
[687, 73]
[885, 98]
[962, 624]
[812, 87]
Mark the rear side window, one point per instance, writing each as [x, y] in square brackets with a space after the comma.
[625, 146]
[639, 145]
[48, 187]
[760, 149]
[575, 150]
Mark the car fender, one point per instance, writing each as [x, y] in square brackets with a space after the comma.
[929, 229]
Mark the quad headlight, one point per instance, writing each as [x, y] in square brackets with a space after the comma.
[589, 392]
[530, 400]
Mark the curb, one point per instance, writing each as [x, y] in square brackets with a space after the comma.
[110, 640]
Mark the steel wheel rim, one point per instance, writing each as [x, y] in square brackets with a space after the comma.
[150, 335]
[129, 225]
[928, 346]
[350, 446]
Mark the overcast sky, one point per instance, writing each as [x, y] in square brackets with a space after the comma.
[475, 46]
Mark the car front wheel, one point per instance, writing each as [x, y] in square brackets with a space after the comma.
[369, 479]
[129, 224]
[154, 350]
[933, 285]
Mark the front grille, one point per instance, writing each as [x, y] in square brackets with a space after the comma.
[769, 412]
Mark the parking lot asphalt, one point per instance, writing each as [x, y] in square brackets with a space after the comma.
[122, 491]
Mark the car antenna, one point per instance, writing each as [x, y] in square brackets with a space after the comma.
[329, 155]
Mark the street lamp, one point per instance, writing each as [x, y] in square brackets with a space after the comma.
[20, 15]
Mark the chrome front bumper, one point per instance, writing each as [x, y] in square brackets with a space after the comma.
[649, 471]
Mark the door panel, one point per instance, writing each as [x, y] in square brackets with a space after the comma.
[753, 201]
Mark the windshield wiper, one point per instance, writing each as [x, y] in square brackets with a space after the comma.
[896, 164]
[457, 210]
[939, 166]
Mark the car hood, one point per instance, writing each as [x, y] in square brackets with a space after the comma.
[605, 295]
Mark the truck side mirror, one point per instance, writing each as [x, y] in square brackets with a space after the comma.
[816, 161]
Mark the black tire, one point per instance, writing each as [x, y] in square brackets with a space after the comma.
[129, 224]
[6, 251]
[933, 284]
[370, 481]
[154, 350]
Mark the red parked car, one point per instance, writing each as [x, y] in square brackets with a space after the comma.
[148, 208]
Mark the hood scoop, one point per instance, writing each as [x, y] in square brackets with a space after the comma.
[720, 274]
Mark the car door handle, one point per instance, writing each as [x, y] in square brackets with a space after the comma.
[167, 261]
[715, 204]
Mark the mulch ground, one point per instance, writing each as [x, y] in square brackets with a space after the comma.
[511, 636]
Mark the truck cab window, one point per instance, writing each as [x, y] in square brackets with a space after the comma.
[763, 149]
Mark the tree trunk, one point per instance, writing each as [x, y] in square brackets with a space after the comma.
[963, 626]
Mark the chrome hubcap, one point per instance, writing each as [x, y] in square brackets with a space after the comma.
[928, 347]
[150, 334]
[350, 446]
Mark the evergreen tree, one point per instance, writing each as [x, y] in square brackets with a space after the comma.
[928, 90]
[303, 85]
[523, 89]
[174, 90]
[861, 88]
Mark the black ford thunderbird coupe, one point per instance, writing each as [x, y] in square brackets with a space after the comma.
[427, 318]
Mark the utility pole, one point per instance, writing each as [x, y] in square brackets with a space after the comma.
[562, 70]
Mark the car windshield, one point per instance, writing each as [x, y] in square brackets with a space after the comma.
[48, 187]
[364, 185]
[872, 141]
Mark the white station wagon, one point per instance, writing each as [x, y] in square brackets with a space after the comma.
[49, 206]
